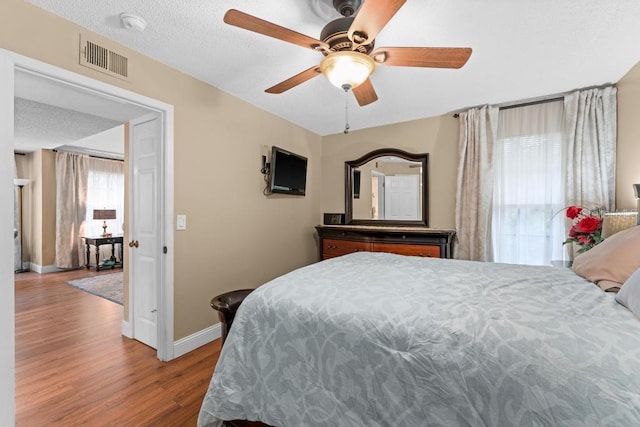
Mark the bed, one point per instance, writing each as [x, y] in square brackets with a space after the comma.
[376, 339]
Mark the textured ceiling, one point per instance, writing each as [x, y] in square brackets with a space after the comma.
[49, 114]
[44, 126]
[521, 49]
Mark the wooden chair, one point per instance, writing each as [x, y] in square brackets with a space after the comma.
[226, 305]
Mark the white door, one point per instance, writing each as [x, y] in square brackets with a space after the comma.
[144, 234]
[401, 197]
[377, 195]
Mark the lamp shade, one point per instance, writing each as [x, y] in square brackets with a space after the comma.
[104, 214]
[21, 182]
[347, 69]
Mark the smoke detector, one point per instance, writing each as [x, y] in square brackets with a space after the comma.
[133, 22]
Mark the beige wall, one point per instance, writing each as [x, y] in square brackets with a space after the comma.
[47, 201]
[437, 136]
[236, 236]
[395, 168]
[39, 206]
[628, 151]
[33, 210]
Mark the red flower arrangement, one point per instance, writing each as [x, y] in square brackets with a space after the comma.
[586, 230]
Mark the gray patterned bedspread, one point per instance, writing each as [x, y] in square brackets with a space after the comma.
[373, 339]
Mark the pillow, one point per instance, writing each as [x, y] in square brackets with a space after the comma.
[629, 295]
[610, 263]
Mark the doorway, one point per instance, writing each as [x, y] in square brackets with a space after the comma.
[11, 63]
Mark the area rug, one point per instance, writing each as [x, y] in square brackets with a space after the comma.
[108, 286]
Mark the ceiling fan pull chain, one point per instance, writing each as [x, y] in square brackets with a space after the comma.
[346, 108]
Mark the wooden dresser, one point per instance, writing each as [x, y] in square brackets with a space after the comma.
[337, 240]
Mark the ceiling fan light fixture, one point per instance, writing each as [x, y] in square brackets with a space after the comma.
[347, 68]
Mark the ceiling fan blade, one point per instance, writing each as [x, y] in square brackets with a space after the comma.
[435, 57]
[371, 18]
[365, 93]
[257, 25]
[295, 80]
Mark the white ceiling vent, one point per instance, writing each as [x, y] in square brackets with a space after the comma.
[102, 59]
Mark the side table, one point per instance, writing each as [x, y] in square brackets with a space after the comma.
[99, 241]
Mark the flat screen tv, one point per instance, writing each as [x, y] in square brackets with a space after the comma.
[288, 172]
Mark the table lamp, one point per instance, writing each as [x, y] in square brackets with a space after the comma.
[104, 214]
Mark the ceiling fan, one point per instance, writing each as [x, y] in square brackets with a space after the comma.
[347, 44]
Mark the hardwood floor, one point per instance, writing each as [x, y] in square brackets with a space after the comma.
[74, 367]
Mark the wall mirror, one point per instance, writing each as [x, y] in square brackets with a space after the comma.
[387, 187]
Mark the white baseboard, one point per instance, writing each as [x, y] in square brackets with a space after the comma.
[127, 331]
[186, 344]
[43, 269]
[193, 341]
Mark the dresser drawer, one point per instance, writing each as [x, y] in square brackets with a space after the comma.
[339, 240]
[413, 250]
[332, 248]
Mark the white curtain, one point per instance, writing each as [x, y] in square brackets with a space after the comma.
[550, 156]
[71, 208]
[590, 127]
[528, 187]
[105, 190]
[83, 184]
[474, 198]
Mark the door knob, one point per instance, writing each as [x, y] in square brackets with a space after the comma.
[134, 244]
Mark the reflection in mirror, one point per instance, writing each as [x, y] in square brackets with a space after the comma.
[387, 187]
[390, 188]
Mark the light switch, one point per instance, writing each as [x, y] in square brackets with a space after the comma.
[181, 222]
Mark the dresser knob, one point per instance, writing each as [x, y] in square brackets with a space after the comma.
[404, 237]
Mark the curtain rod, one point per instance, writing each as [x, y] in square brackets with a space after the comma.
[90, 155]
[527, 104]
[523, 104]
[538, 100]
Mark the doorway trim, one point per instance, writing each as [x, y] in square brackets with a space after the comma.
[166, 120]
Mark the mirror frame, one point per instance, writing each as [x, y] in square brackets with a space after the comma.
[350, 166]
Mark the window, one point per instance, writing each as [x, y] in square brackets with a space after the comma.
[105, 190]
[528, 188]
